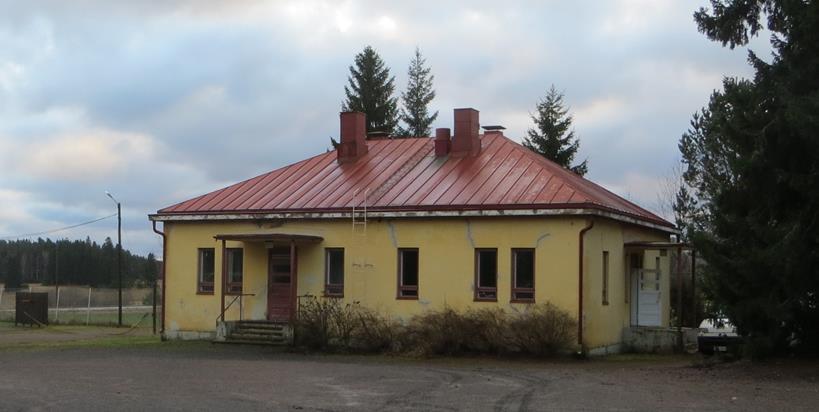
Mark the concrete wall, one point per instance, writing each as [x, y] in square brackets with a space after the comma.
[446, 265]
[657, 340]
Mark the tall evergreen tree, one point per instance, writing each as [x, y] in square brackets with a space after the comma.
[752, 177]
[370, 90]
[552, 136]
[416, 98]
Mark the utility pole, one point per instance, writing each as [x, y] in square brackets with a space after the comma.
[119, 257]
[56, 279]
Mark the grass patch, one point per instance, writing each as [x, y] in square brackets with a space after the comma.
[123, 341]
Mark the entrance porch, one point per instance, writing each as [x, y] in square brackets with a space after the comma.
[280, 293]
[648, 332]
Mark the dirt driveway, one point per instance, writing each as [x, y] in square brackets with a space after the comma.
[195, 376]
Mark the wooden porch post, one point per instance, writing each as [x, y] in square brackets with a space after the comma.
[224, 281]
[293, 280]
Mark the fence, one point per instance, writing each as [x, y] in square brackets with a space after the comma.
[83, 305]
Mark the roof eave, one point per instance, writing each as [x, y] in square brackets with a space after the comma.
[523, 210]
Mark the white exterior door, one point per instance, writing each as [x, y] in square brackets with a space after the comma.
[648, 297]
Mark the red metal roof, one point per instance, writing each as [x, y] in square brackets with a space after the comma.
[404, 174]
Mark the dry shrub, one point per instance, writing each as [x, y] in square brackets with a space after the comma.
[444, 332]
[316, 323]
[374, 332]
[330, 325]
[541, 330]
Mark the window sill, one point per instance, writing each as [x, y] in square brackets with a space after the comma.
[329, 295]
[522, 301]
[205, 293]
[406, 297]
[485, 299]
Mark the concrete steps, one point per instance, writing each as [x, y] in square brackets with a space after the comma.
[257, 332]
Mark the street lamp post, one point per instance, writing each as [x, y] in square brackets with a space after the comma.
[119, 257]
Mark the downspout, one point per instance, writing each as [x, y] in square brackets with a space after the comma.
[162, 276]
[581, 236]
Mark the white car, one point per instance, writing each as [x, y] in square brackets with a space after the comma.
[717, 335]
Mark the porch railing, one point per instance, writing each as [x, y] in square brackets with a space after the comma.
[238, 297]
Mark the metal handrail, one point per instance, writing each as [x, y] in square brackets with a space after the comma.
[239, 296]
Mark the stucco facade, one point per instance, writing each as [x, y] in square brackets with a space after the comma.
[446, 266]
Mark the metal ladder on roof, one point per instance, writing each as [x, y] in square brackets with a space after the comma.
[360, 214]
[360, 253]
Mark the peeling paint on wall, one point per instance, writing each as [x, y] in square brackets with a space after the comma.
[543, 236]
[469, 233]
[393, 237]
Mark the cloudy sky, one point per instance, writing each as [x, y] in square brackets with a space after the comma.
[159, 101]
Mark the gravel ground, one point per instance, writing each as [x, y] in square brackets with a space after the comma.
[197, 376]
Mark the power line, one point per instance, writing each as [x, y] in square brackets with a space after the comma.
[58, 229]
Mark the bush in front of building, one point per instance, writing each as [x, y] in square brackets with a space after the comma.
[542, 330]
[452, 332]
[328, 324]
[537, 330]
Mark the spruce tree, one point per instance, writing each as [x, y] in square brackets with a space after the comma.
[752, 177]
[370, 90]
[416, 98]
[552, 136]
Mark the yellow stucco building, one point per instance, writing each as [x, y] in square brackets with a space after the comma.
[408, 225]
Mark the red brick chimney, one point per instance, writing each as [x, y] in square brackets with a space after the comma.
[466, 141]
[353, 137]
[442, 142]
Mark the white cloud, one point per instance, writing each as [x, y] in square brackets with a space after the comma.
[601, 112]
[645, 190]
[13, 208]
[84, 156]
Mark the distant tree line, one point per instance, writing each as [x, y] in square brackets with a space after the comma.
[72, 262]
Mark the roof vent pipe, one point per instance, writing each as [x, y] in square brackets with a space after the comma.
[353, 137]
[442, 141]
[466, 141]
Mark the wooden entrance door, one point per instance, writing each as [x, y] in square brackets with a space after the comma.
[279, 284]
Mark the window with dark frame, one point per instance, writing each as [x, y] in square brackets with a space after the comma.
[205, 270]
[523, 275]
[486, 274]
[605, 277]
[407, 273]
[235, 267]
[334, 272]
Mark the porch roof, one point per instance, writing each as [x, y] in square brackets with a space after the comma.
[268, 237]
